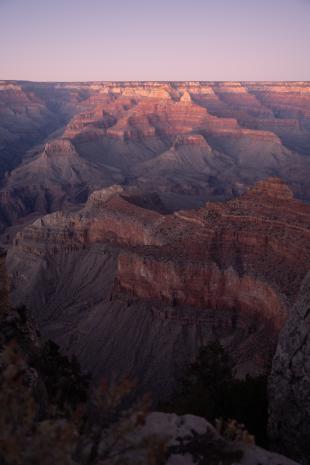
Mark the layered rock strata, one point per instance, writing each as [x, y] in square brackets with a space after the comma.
[204, 140]
[231, 270]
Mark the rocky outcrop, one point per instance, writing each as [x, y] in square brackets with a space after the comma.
[289, 383]
[106, 217]
[54, 177]
[190, 438]
[100, 197]
[199, 285]
[220, 245]
[186, 97]
[191, 139]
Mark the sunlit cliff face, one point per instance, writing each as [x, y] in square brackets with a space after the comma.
[207, 140]
[242, 260]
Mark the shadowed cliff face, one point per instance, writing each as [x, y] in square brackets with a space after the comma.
[36, 381]
[136, 290]
[60, 142]
[29, 114]
[4, 288]
[289, 383]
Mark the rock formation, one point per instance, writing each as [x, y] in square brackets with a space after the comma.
[228, 271]
[289, 384]
[190, 436]
[36, 380]
[4, 288]
[138, 235]
[197, 140]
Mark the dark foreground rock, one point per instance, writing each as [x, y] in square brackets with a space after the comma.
[192, 440]
[289, 387]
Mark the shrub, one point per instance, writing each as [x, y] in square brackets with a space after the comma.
[210, 390]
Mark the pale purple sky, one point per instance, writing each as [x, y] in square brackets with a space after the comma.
[82, 40]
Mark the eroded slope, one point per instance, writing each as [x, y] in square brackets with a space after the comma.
[136, 290]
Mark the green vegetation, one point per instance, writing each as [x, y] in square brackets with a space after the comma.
[66, 385]
[210, 390]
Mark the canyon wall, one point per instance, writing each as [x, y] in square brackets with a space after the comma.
[289, 383]
[188, 141]
[133, 277]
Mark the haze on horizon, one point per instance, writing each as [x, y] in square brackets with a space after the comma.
[79, 40]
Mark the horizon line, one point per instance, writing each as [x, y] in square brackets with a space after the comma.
[164, 81]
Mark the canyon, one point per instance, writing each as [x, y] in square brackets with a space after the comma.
[143, 220]
[188, 141]
[41, 378]
[132, 290]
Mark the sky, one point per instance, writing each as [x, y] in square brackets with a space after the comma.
[95, 40]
